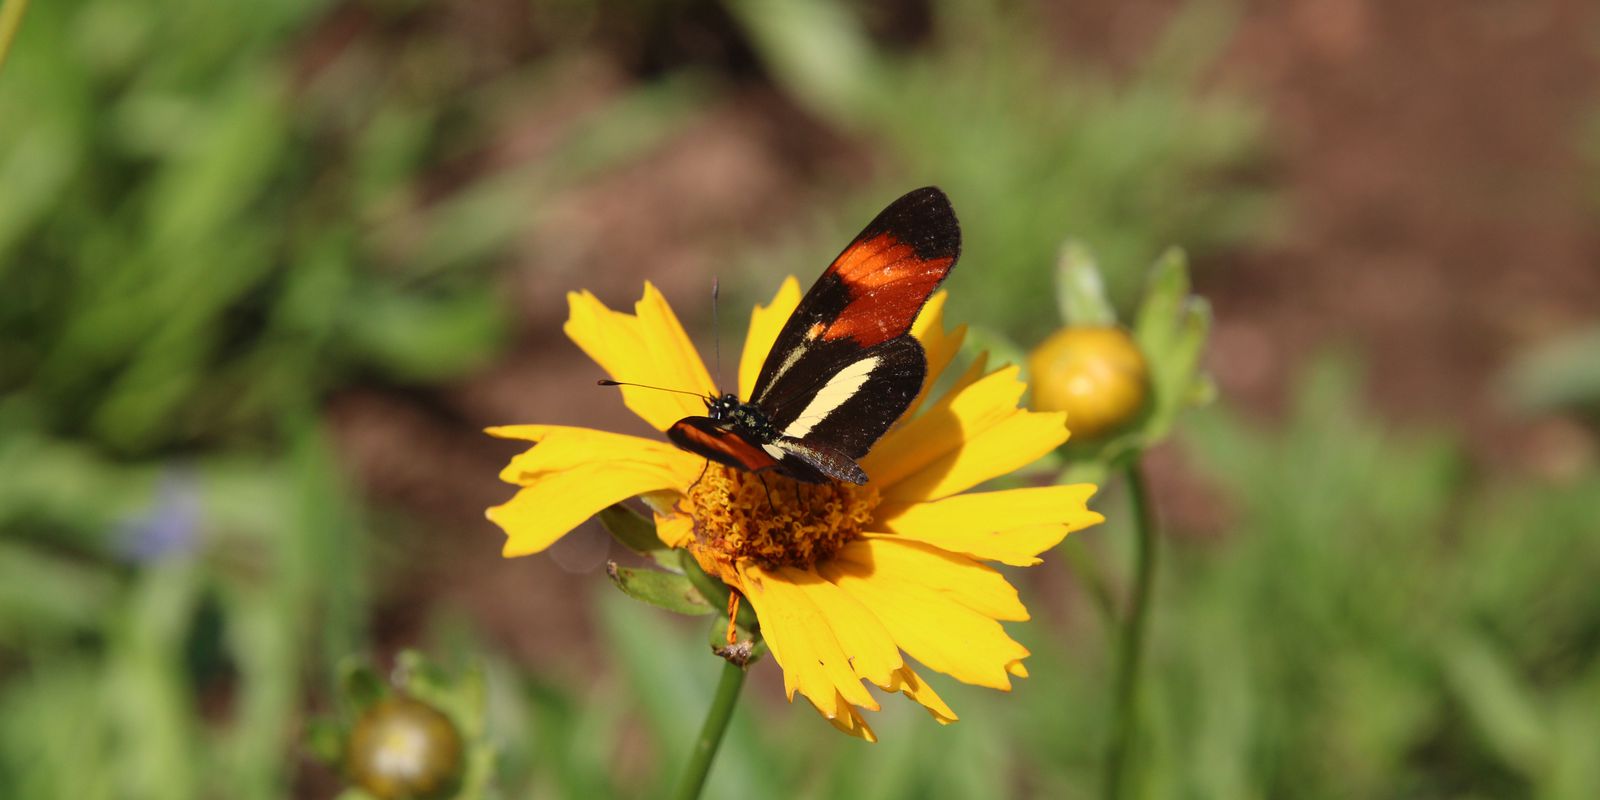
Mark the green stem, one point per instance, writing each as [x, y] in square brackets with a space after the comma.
[10, 21]
[1089, 574]
[705, 747]
[1130, 653]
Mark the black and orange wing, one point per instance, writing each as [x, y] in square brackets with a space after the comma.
[861, 307]
[704, 436]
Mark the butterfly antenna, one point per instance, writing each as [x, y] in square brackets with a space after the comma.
[716, 329]
[605, 382]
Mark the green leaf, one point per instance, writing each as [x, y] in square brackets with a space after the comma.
[674, 593]
[817, 50]
[1080, 291]
[1503, 707]
[631, 529]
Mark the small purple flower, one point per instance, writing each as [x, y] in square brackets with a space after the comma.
[169, 527]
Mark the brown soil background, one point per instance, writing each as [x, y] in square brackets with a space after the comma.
[1441, 216]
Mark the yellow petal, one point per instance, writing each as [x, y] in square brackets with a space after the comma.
[670, 348]
[852, 723]
[871, 650]
[1012, 526]
[942, 633]
[1016, 668]
[560, 448]
[674, 530]
[650, 348]
[939, 345]
[1017, 547]
[911, 684]
[802, 642]
[765, 323]
[557, 502]
[957, 577]
[1000, 450]
[968, 437]
[983, 403]
[529, 433]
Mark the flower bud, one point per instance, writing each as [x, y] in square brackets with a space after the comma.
[403, 748]
[1098, 375]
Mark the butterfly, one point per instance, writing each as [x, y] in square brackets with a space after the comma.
[845, 365]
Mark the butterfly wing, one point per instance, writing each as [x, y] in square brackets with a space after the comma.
[702, 435]
[793, 457]
[849, 409]
[844, 366]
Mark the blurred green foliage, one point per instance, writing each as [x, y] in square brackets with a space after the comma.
[1378, 621]
[187, 223]
[1560, 374]
[1033, 147]
[209, 219]
[1381, 622]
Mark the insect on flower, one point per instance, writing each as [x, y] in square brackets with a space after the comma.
[845, 366]
[878, 553]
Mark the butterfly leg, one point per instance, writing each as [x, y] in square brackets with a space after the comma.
[700, 477]
[770, 506]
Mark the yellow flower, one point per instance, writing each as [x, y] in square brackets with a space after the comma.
[846, 581]
[1098, 375]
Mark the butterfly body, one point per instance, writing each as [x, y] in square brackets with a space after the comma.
[746, 419]
[845, 366]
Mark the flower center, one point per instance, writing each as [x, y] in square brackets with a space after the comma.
[781, 523]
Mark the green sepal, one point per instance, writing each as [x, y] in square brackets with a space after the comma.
[462, 696]
[715, 591]
[1080, 292]
[325, 738]
[1085, 470]
[675, 593]
[1166, 287]
[631, 528]
[360, 686]
[1174, 349]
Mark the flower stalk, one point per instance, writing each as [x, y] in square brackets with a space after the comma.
[11, 12]
[1130, 652]
[711, 731]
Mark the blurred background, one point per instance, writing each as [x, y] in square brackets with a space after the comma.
[267, 270]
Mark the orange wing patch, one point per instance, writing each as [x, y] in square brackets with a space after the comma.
[719, 444]
[888, 284]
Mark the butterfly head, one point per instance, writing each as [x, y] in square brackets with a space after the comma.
[745, 417]
[722, 408]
